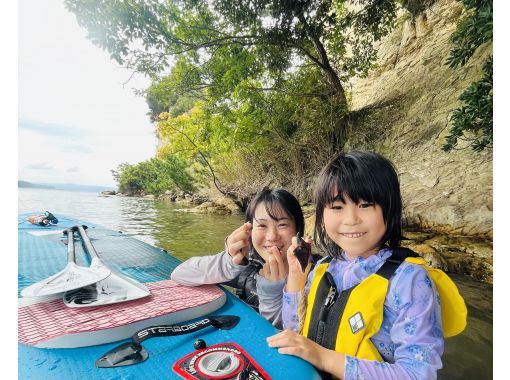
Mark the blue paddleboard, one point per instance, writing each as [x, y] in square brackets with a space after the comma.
[43, 252]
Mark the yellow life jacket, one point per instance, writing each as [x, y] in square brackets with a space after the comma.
[345, 321]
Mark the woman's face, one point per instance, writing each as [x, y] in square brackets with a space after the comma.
[268, 232]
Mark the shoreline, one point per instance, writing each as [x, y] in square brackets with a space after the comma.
[455, 253]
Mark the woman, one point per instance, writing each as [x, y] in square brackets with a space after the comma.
[254, 261]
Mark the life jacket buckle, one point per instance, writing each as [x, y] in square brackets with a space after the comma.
[330, 299]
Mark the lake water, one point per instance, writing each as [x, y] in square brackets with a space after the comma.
[184, 234]
[166, 225]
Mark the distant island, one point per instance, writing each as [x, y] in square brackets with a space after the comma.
[34, 185]
[63, 186]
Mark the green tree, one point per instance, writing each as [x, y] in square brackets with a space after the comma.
[173, 93]
[194, 137]
[222, 42]
[473, 120]
[250, 93]
[128, 179]
[154, 176]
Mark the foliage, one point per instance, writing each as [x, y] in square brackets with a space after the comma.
[473, 120]
[239, 84]
[149, 36]
[154, 176]
[174, 93]
[473, 30]
[475, 116]
[217, 44]
[279, 137]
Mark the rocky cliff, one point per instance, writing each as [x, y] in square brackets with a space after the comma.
[402, 110]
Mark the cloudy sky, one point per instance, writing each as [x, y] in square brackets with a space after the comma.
[77, 116]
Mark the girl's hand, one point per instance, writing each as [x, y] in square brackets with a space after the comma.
[291, 343]
[297, 279]
[276, 268]
[238, 242]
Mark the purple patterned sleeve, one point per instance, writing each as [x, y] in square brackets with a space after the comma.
[290, 316]
[290, 303]
[412, 311]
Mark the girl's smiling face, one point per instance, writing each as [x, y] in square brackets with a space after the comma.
[357, 228]
[268, 232]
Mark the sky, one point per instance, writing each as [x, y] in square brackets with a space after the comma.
[77, 116]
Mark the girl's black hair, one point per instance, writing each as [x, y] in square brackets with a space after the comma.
[274, 201]
[360, 175]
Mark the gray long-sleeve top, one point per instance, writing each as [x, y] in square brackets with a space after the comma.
[219, 268]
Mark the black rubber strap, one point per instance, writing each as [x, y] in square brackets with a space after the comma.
[223, 322]
[170, 330]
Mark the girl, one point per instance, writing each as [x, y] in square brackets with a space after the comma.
[371, 312]
[254, 260]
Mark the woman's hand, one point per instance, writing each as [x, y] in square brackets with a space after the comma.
[297, 278]
[291, 343]
[238, 242]
[275, 269]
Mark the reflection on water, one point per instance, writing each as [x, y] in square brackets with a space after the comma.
[469, 355]
[184, 234]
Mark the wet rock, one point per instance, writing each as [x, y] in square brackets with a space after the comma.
[211, 208]
[468, 255]
[198, 199]
[168, 196]
[430, 255]
[478, 269]
[471, 245]
[220, 205]
[229, 204]
[418, 236]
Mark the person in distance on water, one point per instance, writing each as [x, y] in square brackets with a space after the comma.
[254, 261]
[370, 309]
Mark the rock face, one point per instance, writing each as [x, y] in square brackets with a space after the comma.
[468, 255]
[401, 110]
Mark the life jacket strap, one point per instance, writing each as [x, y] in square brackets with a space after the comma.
[245, 284]
[393, 262]
[327, 310]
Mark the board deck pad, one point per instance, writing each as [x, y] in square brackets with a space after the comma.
[41, 256]
[42, 252]
[53, 324]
